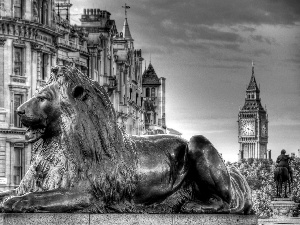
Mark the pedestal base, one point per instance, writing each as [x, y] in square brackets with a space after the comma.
[283, 207]
[125, 219]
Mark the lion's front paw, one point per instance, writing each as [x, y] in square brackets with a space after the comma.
[17, 204]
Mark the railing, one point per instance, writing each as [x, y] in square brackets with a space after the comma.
[71, 44]
[62, 41]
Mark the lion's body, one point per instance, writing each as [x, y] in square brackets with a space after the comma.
[82, 160]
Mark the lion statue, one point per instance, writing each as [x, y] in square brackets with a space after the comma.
[82, 161]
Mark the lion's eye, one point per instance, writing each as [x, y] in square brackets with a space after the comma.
[41, 98]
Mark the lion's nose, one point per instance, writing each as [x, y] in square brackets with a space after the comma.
[20, 111]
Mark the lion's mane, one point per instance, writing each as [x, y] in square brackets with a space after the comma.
[99, 151]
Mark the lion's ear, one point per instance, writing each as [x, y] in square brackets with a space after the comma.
[79, 92]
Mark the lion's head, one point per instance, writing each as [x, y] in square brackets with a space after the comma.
[77, 112]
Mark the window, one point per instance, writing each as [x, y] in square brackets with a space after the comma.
[153, 92]
[17, 8]
[18, 100]
[44, 13]
[148, 117]
[19, 164]
[147, 92]
[130, 93]
[44, 65]
[18, 64]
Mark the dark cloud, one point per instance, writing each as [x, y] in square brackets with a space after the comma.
[213, 34]
[260, 38]
[228, 12]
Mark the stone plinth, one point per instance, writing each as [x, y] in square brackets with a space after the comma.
[286, 221]
[283, 207]
[125, 219]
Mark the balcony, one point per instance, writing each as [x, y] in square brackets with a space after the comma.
[71, 44]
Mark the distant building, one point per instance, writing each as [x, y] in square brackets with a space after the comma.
[116, 65]
[253, 124]
[154, 100]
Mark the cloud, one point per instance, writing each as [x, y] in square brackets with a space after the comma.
[230, 12]
[210, 33]
[260, 38]
[260, 52]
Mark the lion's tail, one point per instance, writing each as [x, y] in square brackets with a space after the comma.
[241, 201]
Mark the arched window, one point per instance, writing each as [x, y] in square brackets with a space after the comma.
[153, 92]
[136, 98]
[147, 92]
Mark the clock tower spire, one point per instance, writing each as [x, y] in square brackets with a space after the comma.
[253, 124]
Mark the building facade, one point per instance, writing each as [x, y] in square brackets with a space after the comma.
[116, 65]
[36, 35]
[28, 33]
[154, 89]
[253, 124]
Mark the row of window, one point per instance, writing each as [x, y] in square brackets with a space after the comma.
[40, 10]
[19, 63]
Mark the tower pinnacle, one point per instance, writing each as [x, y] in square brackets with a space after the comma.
[126, 7]
[126, 31]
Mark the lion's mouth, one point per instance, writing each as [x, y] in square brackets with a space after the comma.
[33, 135]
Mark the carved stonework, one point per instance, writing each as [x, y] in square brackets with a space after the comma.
[17, 30]
[35, 46]
[19, 42]
[2, 41]
[283, 207]
[35, 11]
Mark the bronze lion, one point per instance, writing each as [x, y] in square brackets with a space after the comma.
[83, 162]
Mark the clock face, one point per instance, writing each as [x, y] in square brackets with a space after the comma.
[247, 128]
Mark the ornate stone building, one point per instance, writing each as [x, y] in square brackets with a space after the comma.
[116, 65]
[36, 35]
[253, 124]
[154, 101]
[28, 33]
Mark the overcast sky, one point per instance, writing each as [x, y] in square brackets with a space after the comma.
[204, 48]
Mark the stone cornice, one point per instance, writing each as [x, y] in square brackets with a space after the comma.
[13, 131]
[30, 24]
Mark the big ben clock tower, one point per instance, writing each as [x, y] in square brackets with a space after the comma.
[252, 124]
